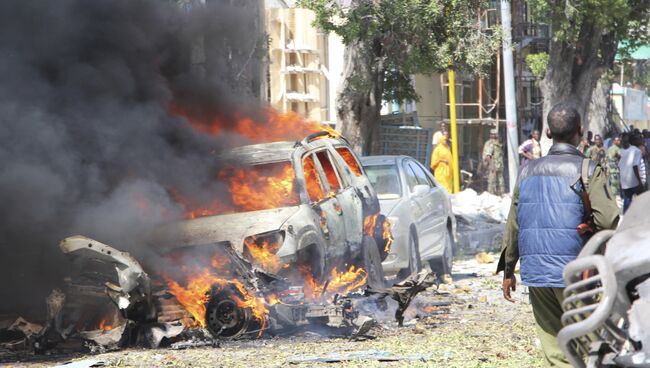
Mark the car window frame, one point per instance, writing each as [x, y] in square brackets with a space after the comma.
[339, 177]
[406, 169]
[324, 184]
[354, 156]
[423, 172]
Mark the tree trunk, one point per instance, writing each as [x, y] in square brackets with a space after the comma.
[597, 113]
[359, 97]
[573, 71]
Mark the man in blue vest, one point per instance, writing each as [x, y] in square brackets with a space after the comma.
[549, 223]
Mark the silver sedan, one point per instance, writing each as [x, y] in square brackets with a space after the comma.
[419, 211]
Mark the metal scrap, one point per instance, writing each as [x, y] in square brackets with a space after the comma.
[404, 292]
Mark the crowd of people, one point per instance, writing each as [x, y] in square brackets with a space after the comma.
[624, 158]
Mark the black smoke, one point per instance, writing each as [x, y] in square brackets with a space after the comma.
[87, 141]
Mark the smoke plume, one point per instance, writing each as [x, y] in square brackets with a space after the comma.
[87, 141]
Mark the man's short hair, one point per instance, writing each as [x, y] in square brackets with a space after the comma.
[563, 121]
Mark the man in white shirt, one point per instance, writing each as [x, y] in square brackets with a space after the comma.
[438, 134]
[629, 165]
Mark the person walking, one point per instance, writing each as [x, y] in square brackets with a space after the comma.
[630, 169]
[493, 163]
[585, 147]
[613, 156]
[644, 169]
[441, 163]
[547, 221]
[597, 152]
[530, 149]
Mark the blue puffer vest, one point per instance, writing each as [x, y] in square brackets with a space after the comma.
[548, 214]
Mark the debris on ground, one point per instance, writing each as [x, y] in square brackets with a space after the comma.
[483, 257]
[404, 292]
[382, 356]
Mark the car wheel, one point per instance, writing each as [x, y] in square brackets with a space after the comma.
[442, 265]
[415, 263]
[371, 262]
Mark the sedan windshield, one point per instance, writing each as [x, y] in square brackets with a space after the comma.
[385, 180]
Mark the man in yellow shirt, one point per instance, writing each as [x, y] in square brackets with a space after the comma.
[441, 162]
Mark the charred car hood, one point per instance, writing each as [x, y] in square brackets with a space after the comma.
[233, 228]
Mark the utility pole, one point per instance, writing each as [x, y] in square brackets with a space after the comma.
[511, 101]
[452, 129]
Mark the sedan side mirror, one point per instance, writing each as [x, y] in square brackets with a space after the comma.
[420, 190]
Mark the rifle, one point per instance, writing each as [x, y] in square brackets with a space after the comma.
[581, 187]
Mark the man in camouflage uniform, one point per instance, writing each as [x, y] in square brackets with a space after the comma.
[493, 163]
[597, 152]
[613, 155]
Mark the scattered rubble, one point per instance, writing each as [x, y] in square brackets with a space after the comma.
[382, 356]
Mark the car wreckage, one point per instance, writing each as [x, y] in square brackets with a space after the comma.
[329, 216]
[141, 314]
[607, 297]
[239, 266]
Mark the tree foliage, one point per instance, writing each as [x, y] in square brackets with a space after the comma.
[409, 37]
[585, 40]
[537, 63]
[617, 19]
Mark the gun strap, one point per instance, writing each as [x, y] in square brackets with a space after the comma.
[586, 202]
[584, 173]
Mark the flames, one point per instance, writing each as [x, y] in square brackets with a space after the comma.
[251, 189]
[370, 224]
[269, 126]
[262, 252]
[342, 282]
[387, 236]
[103, 325]
[202, 282]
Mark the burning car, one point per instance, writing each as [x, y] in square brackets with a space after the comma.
[298, 209]
[607, 297]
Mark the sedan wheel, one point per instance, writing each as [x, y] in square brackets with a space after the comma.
[415, 263]
[442, 265]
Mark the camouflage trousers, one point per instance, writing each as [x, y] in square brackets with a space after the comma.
[614, 178]
[495, 183]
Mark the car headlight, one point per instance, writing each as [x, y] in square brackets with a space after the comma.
[261, 249]
[270, 242]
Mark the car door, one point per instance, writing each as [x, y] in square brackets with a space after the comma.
[347, 198]
[417, 205]
[434, 202]
[325, 205]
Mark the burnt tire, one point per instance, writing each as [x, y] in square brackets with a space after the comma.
[415, 262]
[442, 265]
[224, 318]
[371, 263]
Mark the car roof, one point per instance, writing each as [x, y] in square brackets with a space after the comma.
[263, 153]
[382, 160]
